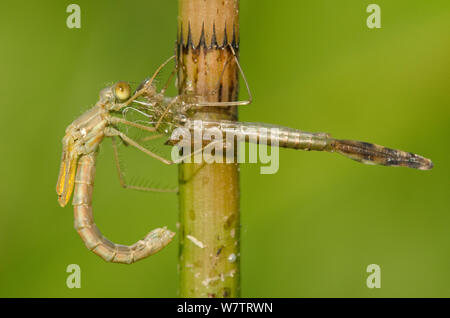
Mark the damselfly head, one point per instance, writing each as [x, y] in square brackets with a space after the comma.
[106, 95]
[122, 91]
[119, 92]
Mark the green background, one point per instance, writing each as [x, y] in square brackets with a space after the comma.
[309, 230]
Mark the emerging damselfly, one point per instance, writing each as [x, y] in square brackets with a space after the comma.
[165, 114]
[162, 116]
[80, 147]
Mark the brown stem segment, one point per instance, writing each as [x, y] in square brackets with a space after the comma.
[209, 193]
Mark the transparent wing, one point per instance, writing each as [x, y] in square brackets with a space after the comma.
[139, 169]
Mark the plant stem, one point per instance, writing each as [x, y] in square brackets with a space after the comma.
[209, 255]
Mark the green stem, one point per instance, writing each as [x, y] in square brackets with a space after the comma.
[209, 193]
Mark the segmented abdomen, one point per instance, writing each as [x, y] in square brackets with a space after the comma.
[296, 139]
[91, 235]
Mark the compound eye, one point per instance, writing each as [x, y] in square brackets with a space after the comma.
[122, 91]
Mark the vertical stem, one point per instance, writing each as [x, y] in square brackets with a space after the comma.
[209, 193]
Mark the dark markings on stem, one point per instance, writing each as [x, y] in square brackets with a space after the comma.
[230, 92]
[226, 292]
[214, 44]
[187, 44]
[225, 37]
[220, 92]
[230, 220]
[202, 41]
[206, 43]
[234, 42]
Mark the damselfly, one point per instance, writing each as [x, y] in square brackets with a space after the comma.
[80, 147]
[165, 114]
[162, 116]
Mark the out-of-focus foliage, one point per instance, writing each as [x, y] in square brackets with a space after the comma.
[309, 230]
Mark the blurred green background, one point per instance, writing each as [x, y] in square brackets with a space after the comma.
[309, 230]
